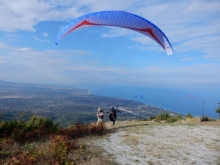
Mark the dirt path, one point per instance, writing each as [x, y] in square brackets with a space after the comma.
[140, 143]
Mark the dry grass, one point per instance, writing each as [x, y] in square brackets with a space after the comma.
[88, 153]
[184, 142]
[57, 148]
[135, 142]
[191, 120]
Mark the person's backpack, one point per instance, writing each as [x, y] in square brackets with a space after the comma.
[111, 115]
[114, 113]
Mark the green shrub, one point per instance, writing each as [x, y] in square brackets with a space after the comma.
[164, 116]
[167, 118]
[6, 128]
[178, 117]
[189, 116]
[144, 119]
[39, 122]
[218, 111]
[171, 120]
[151, 117]
[18, 129]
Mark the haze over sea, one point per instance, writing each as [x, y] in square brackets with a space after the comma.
[181, 101]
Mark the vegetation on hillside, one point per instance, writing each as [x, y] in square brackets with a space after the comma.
[164, 117]
[40, 141]
[218, 110]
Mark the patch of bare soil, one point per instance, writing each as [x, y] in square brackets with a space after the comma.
[140, 143]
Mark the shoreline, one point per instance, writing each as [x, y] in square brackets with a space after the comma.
[174, 102]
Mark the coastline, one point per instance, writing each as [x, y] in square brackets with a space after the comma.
[168, 99]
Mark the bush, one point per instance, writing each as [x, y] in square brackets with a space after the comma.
[20, 130]
[81, 130]
[178, 117]
[205, 118]
[189, 116]
[171, 120]
[6, 128]
[144, 119]
[168, 118]
[164, 116]
[56, 151]
[39, 122]
[151, 117]
[218, 110]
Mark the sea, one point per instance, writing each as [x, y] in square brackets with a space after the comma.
[198, 101]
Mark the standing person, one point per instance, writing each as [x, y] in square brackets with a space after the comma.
[113, 114]
[100, 115]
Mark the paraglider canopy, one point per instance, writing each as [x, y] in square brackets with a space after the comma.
[119, 19]
[191, 97]
[139, 96]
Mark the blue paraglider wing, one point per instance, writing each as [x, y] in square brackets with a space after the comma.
[139, 96]
[119, 19]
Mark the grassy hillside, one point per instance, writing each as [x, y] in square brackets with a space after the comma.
[40, 141]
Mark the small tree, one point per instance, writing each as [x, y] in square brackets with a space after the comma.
[218, 110]
[189, 116]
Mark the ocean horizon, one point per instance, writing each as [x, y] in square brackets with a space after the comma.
[195, 102]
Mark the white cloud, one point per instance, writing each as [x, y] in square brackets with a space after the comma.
[186, 75]
[24, 15]
[2, 45]
[187, 59]
[25, 49]
[45, 34]
[57, 66]
[38, 39]
[97, 5]
[189, 25]
[196, 20]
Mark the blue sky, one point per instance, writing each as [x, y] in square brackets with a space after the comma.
[110, 56]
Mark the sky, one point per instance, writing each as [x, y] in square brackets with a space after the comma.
[109, 56]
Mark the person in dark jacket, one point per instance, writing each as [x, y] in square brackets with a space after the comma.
[113, 114]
